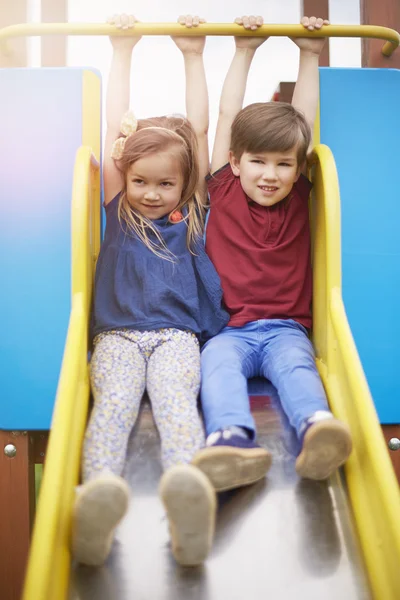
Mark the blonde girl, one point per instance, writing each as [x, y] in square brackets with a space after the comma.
[156, 296]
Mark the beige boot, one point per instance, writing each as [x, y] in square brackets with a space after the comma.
[190, 503]
[326, 446]
[99, 506]
[229, 466]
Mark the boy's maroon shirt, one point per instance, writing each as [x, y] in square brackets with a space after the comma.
[262, 254]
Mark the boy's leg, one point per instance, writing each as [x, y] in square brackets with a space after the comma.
[118, 381]
[228, 360]
[173, 382]
[231, 458]
[288, 361]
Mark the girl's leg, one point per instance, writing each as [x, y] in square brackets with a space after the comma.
[173, 381]
[118, 381]
[118, 378]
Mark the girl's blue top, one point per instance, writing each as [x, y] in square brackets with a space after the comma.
[135, 289]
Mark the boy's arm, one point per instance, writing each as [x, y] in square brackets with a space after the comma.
[234, 89]
[306, 92]
[197, 110]
[117, 101]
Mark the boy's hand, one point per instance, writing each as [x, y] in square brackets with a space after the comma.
[190, 44]
[123, 22]
[308, 44]
[252, 24]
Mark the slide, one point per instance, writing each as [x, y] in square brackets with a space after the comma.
[275, 539]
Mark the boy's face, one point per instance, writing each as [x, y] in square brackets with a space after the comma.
[266, 177]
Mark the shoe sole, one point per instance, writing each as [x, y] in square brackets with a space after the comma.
[99, 507]
[326, 447]
[190, 503]
[228, 467]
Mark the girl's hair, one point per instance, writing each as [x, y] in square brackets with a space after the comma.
[159, 134]
[270, 127]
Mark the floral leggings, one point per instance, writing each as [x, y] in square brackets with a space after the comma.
[124, 363]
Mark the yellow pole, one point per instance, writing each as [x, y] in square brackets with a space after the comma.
[391, 36]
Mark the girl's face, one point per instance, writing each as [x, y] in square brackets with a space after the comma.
[154, 184]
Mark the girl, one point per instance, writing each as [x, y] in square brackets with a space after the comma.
[156, 295]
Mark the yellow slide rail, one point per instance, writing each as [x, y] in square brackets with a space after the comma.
[373, 489]
[391, 36]
[49, 564]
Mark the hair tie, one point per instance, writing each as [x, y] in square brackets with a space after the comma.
[176, 216]
[118, 147]
[128, 128]
[129, 123]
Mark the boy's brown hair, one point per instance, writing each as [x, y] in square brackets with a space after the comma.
[270, 127]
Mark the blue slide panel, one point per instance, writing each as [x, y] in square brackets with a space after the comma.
[360, 122]
[40, 131]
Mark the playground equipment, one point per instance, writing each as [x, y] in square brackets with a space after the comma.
[343, 539]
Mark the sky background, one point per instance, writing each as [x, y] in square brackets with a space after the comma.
[157, 72]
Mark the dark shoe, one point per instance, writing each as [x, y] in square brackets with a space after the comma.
[326, 445]
[231, 461]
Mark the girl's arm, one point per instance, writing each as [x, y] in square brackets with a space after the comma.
[234, 89]
[197, 110]
[117, 101]
[306, 91]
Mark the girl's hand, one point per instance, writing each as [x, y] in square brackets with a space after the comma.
[252, 24]
[313, 46]
[190, 44]
[123, 22]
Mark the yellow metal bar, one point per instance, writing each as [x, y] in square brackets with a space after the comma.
[373, 490]
[49, 562]
[391, 36]
[91, 136]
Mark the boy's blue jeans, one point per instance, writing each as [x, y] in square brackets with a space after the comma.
[273, 348]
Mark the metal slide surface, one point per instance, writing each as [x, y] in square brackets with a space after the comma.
[278, 539]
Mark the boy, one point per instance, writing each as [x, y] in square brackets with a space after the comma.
[258, 238]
